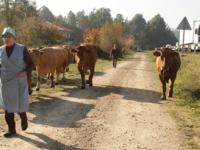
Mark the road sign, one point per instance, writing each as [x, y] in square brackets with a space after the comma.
[184, 25]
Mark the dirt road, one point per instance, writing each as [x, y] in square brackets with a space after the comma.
[122, 112]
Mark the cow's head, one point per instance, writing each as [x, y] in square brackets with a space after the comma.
[35, 55]
[167, 59]
[79, 52]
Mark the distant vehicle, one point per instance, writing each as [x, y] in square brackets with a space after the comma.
[189, 47]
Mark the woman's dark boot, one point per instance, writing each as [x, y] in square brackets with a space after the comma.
[9, 117]
[24, 120]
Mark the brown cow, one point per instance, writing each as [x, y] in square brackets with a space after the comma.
[168, 63]
[85, 56]
[62, 61]
[45, 62]
[49, 60]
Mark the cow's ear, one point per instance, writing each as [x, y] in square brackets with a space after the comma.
[73, 51]
[157, 53]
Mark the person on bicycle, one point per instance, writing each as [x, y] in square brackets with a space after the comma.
[114, 55]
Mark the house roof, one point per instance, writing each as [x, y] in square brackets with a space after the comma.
[48, 24]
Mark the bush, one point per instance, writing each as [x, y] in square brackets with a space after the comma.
[111, 33]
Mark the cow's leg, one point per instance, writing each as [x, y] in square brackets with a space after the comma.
[91, 76]
[82, 72]
[52, 82]
[38, 83]
[171, 87]
[63, 74]
[48, 76]
[164, 91]
[163, 97]
[57, 78]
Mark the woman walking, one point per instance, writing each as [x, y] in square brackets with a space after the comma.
[15, 65]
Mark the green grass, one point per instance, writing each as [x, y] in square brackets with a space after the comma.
[188, 83]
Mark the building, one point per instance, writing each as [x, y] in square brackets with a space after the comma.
[67, 32]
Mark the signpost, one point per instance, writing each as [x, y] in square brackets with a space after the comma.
[184, 25]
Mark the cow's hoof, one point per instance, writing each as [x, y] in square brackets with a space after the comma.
[163, 97]
[82, 87]
[90, 84]
[170, 95]
[37, 89]
[30, 92]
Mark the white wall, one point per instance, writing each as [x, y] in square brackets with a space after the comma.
[189, 34]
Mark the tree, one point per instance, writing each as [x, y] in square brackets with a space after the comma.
[158, 33]
[45, 14]
[2, 25]
[29, 33]
[97, 18]
[71, 19]
[82, 20]
[129, 42]
[119, 18]
[111, 33]
[60, 20]
[13, 12]
[92, 36]
[138, 29]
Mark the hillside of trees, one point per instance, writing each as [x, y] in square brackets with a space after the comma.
[97, 27]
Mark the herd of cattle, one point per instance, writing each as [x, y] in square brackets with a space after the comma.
[51, 61]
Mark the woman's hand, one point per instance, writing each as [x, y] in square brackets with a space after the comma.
[22, 74]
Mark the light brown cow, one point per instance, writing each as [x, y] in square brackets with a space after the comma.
[62, 61]
[168, 63]
[85, 56]
[51, 60]
[45, 63]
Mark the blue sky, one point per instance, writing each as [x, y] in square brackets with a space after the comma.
[172, 10]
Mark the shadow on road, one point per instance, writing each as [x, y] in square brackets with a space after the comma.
[48, 143]
[134, 94]
[57, 112]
